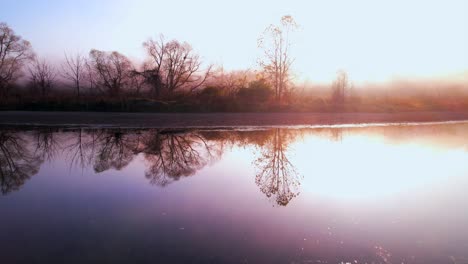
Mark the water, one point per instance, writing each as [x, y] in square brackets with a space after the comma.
[377, 194]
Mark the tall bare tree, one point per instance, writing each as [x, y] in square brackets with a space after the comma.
[15, 52]
[152, 70]
[276, 62]
[113, 71]
[74, 70]
[42, 75]
[173, 66]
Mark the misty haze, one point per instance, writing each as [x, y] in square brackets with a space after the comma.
[234, 131]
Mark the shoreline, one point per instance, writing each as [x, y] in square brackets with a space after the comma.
[219, 120]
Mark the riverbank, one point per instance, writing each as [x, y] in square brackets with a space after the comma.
[176, 120]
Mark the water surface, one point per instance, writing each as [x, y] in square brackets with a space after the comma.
[370, 194]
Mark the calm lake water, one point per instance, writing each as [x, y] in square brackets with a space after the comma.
[371, 194]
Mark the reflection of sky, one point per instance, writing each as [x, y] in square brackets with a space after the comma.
[356, 194]
[369, 168]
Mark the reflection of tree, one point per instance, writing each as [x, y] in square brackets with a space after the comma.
[47, 145]
[80, 150]
[116, 149]
[174, 155]
[170, 155]
[276, 175]
[17, 162]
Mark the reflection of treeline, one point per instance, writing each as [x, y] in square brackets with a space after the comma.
[168, 155]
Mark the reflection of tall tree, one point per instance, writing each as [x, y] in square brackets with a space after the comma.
[175, 155]
[276, 175]
[47, 145]
[17, 162]
[80, 150]
[116, 149]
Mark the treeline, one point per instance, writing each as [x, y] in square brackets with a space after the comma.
[173, 78]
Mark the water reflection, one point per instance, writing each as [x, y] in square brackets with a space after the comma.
[276, 174]
[170, 155]
[18, 162]
[267, 195]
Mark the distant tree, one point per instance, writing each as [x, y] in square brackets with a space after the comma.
[257, 91]
[340, 87]
[230, 81]
[276, 62]
[14, 54]
[173, 66]
[42, 75]
[74, 70]
[112, 71]
[91, 78]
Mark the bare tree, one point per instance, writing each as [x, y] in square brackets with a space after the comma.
[42, 75]
[153, 67]
[113, 71]
[91, 78]
[74, 70]
[173, 66]
[340, 87]
[182, 67]
[276, 62]
[230, 81]
[14, 53]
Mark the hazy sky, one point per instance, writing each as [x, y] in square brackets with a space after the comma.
[372, 40]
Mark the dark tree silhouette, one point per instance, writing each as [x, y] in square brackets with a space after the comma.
[74, 70]
[17, 162]
[42, 76]
[15, 52]
[173, 66]
[112, 71]
[276, 175]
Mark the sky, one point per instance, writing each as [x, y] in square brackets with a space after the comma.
[372, 40]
